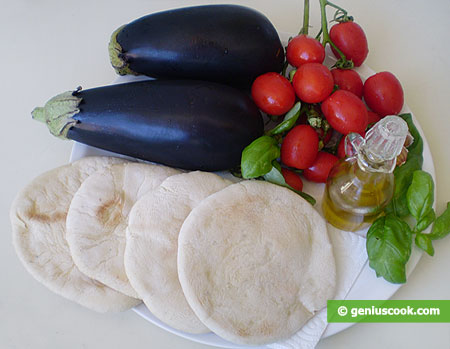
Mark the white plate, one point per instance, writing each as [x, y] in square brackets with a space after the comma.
[366, 286]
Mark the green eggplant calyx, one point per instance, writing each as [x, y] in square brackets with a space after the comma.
[58, 113]
[116, 55]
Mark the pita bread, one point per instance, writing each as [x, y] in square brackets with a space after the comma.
[38, 217]
[151, 249]
[98, 218]
[255, 262]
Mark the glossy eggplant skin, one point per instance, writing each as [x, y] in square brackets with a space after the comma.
[193, 125]
[224, 43]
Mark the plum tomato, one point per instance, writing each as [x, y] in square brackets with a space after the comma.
[304, 49]
[300, 146]
[373, 118]
[345, 112]
[292, 178]
[319, 170]
[348, 80]
[383, 94]
[313, 82]
[351, 40]
[273, 93]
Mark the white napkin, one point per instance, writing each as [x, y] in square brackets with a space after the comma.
[350, 255]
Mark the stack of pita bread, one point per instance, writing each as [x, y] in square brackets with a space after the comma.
[250, 261]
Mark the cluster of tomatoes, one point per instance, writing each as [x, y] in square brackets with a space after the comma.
[337, 94]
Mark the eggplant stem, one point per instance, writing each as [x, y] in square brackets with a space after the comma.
[58, 113]
[116, 55]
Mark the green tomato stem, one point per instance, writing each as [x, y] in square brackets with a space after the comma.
[337, 7]
[305, 27]
[318, 35]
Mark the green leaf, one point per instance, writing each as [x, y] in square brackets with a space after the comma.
[257, 157]
[425, 222]
[441, 227]
[403, 174]
[288, 122]
[417, 147]
[403, 178]
[276, 177]
[423, 241]
[389, 247]
[420, 194]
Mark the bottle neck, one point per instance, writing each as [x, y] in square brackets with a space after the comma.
[367, 164]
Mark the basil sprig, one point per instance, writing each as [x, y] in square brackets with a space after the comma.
[420, 195]
[288, 122]
[257, 157]
[441, 227]
[389, 247]
[275, 176]
[260, 158]
[403, 174]
[389, 238]
[424, 242]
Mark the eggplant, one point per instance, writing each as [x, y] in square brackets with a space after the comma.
[229, 44]
[188, 124]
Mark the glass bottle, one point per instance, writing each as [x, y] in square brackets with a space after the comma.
[361, 185]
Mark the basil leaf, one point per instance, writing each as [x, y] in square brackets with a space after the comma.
[403, 174]
[389, 248]
[416, 148]
[420, 194]
[276, 177]
[288, 122]
[257, 157]
[441, 227]
[425, 221]
[423, 241]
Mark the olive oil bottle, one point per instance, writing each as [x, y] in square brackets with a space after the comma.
[361, 185]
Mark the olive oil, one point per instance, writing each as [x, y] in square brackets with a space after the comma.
[361, 185]
[354, 197]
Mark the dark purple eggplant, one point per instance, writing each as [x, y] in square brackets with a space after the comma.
[224, 43]
[194, 125]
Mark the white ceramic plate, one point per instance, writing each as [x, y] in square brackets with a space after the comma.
[366, 286]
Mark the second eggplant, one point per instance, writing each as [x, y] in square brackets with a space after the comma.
[224, 43]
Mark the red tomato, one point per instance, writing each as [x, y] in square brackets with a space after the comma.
[383, 94]
[303, 49]
[348, 80]
[313, 82]
[292, 178]
[319, 170]
[273, 93]
[351, 40]
[300, 146]
[345, 112]
[372, 117]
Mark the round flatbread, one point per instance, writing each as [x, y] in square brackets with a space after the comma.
[151, 249]
[38, 217]
[255, 262]
[98, 218]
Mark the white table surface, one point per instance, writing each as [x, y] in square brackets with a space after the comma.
[52, 46]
